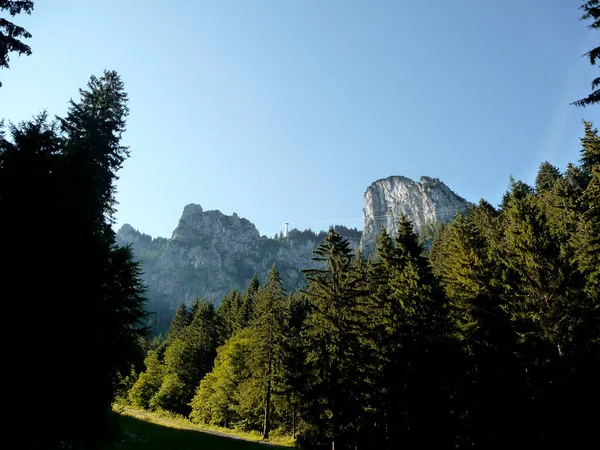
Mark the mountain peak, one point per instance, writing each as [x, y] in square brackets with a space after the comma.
[425, 203]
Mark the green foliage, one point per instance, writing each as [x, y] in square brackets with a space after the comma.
[501, 315]
[217, 398]
[591, 10]
[590, 149]
[331, 401]
[230, 315]
[179, 323]
[173, 394]
[411, 333]
[148, 383]
[10, 33]
[189, 353]
[546, 177]
[270, 317]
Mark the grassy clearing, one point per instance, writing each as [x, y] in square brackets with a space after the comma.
[144, 431]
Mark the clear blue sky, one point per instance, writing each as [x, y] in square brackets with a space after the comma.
[286, 110]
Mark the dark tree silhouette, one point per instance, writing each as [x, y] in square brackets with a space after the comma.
[591, 10]
[10, 34]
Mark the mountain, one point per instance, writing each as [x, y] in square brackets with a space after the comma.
[426, 203]
[210, 253]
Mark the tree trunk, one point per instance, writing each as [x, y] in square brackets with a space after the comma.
[294, 421]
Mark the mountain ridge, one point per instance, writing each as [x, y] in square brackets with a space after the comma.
[211, 253]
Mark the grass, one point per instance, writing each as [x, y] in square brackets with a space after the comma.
[145, 431]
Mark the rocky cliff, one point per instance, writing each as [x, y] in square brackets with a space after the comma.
[210, 253]
[425, 203]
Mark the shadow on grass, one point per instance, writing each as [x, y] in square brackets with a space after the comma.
[142, 435]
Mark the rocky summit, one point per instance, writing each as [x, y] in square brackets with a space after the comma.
[210, 253]
[425, 203]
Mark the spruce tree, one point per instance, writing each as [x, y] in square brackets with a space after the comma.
[591, 10]
[10, 34]
[247, 303]
[96, 325]
[218, 395]
[590, 149]
[536, 273]
[202, 337]
[332, 406]
[413, 326]
[229, 315]
[294, 377]
[467, 259]
[546, 177]
[271, 314]
[179, 323]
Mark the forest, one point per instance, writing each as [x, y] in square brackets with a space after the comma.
[492, 338]
[489, 338]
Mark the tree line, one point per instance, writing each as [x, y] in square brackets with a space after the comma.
[490, 339]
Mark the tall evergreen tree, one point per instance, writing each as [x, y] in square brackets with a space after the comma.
[467, 258]
[202, 337]
[179, 323]
[295, 375]
[546, 177]
[229, 315]
[218, 395]
[271, 315]
[332, 400]
[10, 34]
[413, 324]
[93, 128]
[590, 149]
[591, 10]
[97, 322]
[248, 302]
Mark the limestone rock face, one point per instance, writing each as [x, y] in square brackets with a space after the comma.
[425, 203]
[209, 254]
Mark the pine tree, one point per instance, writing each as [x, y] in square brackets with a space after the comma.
[228, 314]
[10, 33]
[188, 357]
[590, 149]
[332, 400]
[411, 317]
[124, 311]
[591, 9]
[537, 273]
[71, 171]
[247, 303]
[149, 382]
[179, 323]
[467, 259]
[202, 337]
[93, 128]
[266, 358]
[294, 376]
[217, 397]
[546, 177]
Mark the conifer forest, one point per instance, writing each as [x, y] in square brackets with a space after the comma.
[489, 339]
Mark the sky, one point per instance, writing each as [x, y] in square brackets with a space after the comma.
[287, 110]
